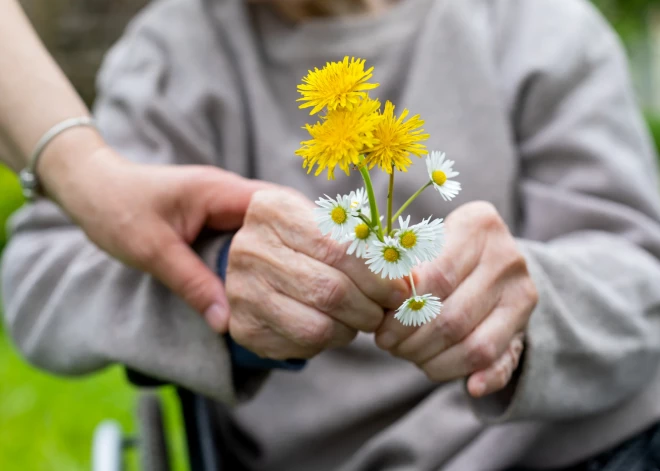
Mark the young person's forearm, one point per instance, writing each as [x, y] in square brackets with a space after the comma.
[34, 93]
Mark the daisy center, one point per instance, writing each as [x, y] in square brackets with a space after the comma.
[439, 177]
[338, 215]
[408, 240]
[416, 305]
[391, 255]
[362, 231]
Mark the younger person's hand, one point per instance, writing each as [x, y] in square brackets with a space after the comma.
[148, 215]
[488, 298]
[293, 292]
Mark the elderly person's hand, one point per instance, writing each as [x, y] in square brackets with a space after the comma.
[488, 298]
[293, 292]
[148, 215]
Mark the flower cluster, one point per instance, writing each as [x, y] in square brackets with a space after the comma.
[354, 134]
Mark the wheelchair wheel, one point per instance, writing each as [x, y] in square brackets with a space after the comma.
[107, 448]
[152, 441]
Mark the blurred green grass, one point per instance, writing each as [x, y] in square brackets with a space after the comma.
[46, 422]
[10, 200]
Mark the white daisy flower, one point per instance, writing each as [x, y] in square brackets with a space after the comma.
[389, 259]
[422, 241]
[360, 239]
[335, 217]
[359, 200]
[441, 172]
[419, 310]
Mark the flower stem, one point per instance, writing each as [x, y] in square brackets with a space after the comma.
[390, 197]
[373, 205]
[366, 220]
[412, 284]
[410, 200]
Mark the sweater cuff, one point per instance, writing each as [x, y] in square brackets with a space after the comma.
[241, 357]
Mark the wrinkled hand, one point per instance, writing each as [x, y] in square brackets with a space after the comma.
[147, 216]
[293, 292]
[488, 299]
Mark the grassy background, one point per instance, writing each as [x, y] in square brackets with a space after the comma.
[47, 423]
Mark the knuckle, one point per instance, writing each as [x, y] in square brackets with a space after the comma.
[244, 250]
[515, 358]
[195, 287]
[344, 338]
[260, 208]
[145, 253]
[444, 277]
[371, 323]
[245, 333]
[379, 343]
[260, 199]
[512, 257]
[510, 262]
[317, 333]
[234, 295]
[240, 245]
[328, 251]
[502, 374]
[328, 293]
[487, 215]
[237, 289]
[450, 328]
[530, 292]
[481, 354]
[432, 374]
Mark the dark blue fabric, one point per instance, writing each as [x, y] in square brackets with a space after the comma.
[240, 356]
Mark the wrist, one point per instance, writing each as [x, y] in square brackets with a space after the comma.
[67, 162]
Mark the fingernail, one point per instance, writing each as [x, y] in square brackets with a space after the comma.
[216, 316]
[517, 347]
[387, 340]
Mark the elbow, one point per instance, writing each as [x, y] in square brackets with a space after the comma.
[46, 347]
[33, 315]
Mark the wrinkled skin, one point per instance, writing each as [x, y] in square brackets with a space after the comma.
[488, 298]
[294, 293]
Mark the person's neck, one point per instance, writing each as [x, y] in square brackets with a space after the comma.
[303, 9]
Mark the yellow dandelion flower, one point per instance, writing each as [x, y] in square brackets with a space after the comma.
[397, 139]
[337, 85]
[340, 138]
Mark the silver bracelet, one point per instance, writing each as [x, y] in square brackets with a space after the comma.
[28, 176]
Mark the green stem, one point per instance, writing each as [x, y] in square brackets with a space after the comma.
[366, 220]
[390, 197]
[410, 200]
[373, 205]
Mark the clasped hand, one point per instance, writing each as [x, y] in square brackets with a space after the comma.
[294, 293]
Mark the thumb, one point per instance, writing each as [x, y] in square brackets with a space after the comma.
[181, 270]
[229, 197]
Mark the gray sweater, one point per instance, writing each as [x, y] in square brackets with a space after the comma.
[532, 100]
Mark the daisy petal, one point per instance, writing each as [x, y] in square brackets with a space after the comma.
[419, 310]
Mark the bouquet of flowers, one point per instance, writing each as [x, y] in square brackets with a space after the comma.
[355, 134]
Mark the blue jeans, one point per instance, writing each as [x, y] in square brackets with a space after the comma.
[640, 453]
